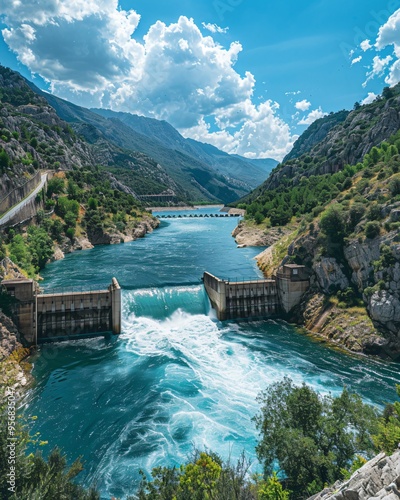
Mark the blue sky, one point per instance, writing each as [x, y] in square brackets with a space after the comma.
[245, 75]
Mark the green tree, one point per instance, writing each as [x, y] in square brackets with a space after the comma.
[55, 185]
[20, 254]
[64, 205]
[388, 432]
[311, 437]
[40, 246]
[272, 489]
[333, 225]
[4, 160]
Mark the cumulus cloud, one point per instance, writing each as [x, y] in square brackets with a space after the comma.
[88, 54]
[303, 105]
[366, 45]
[378, 67]
[260, 135]
[296, 92]
[356, 60]
[312, 116]
[214, 28]
[387, 36]
[370, 98]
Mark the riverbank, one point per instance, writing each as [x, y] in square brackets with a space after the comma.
[322, 314]
[87, 241]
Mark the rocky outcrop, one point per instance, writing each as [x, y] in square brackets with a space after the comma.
[131, 233]
[330, 275]
[249, 235]
[385, 310]
[12, 372]
[348, 328]
[9, 270]
[378, 479]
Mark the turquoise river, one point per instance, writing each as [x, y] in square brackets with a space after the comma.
[176, 378]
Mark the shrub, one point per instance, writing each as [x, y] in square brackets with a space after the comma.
[372, 229]
[55, 185]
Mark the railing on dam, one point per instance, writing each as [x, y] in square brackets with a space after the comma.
[242, 299]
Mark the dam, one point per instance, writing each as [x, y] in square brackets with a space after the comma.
[53, 316]
[263, 298]
[65, 315]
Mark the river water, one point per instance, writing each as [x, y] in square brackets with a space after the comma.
[176, 378]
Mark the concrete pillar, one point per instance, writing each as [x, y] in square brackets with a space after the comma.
[116, 306]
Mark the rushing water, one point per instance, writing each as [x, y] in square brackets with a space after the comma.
[176, 377]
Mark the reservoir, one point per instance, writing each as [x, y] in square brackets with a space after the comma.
[176, 377]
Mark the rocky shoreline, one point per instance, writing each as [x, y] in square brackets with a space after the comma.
[378, 479]
[361, 329]
[89, 241]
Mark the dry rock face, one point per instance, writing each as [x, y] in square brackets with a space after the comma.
[250, 236]
[9, 337]
[330, 275]
[378, 479]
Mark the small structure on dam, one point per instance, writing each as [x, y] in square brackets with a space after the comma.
[264, 298]
[48, 317]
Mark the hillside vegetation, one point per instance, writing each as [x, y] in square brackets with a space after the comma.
[84, 204]
[343, 197]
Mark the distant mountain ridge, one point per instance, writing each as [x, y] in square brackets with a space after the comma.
[194, 174]
[251, 172]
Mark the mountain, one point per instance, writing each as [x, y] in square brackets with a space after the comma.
[190, 178]
[234, 167]
[315, 133]
[337, 208]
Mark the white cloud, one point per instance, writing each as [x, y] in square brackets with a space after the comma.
[303, 105]
[366, 45]
[88, 53]
[261, 135]
[388, 35]
[356, 60]
[378, 67]
[370, 98]
[312, 116]
[214, 28]
[296, 92]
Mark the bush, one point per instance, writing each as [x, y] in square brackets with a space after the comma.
[372, 230]
[394, 185]
[333, 225]
[55, 185]
[65, 205]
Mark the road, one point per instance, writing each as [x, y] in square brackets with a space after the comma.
[16, 208]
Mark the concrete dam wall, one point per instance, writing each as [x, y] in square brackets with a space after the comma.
[265, 298]
[49, 317]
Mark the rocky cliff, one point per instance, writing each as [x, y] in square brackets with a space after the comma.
[13, 371]
[378, 479]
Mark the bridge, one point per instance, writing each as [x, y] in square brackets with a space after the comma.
[195, 215]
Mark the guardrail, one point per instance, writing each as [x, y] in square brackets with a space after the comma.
[19, 193]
